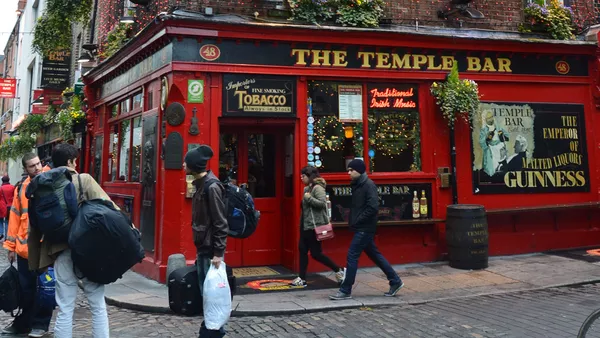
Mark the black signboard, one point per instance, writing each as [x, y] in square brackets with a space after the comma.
[331, 56]
[259, 95]
[56, 70]
[395, 201]
[529, 148]
[393, 97]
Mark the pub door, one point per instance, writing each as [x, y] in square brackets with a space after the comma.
[257, 158]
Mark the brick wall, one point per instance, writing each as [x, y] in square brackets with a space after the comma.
[504, 15]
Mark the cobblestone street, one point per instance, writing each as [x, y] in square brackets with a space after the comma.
[556, 312]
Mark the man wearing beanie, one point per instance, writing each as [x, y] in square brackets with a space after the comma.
[209, 224]
[363, 222]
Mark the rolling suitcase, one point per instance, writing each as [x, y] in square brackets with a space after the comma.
[184, 292]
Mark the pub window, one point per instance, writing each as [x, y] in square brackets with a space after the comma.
[136, 151]
[125, 148]
[137, 101]
[114, 147]
[337, 126]
[393, 120]
[98, 158]
[335, 137]
[114, 111]
[125, 106]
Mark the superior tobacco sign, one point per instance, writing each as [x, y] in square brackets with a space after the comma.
[305, 55]
[529, 147]
[258, 95]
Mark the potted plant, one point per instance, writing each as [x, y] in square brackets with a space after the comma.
[553, 18]
[313, 11]
[360, 13]
[456, 99]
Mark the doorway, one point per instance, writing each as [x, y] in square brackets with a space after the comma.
[261, 159]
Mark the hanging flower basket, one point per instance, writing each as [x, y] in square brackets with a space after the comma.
[456, 98]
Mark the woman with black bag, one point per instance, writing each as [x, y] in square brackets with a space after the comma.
[314, 214]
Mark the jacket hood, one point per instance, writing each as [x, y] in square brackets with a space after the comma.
[46, 178]
[320, 181]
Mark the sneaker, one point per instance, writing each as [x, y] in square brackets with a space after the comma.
[394, 289]
[37, 333]
[12, 330]
[340, 275]
[298, 282]
[340, 296]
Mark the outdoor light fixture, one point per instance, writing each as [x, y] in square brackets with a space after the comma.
[38, 101]
[85, 57]
[128, 13]
[144, 3]
[462, 7]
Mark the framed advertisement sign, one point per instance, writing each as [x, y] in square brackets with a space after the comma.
[529, 148]
[259, 95]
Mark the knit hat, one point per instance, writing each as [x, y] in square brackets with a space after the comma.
[197, 158]
[5, 179]
[358, 166]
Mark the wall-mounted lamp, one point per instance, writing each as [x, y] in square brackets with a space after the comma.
[128, 13]
[39, 101]
[85, 57]
[462, 7]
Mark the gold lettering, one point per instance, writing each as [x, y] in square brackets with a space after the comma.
[366, 59]
[488, 65]
[431, 65]
[447, 62]
[383, 60]
[504, 65]
[339, 58]
[418, 61]
[474, 64]
[320, 58]
[398, 63]
[301, 55]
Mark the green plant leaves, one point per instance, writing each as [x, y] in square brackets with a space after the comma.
[456, 98]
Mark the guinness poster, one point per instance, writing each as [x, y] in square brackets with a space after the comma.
[529, 148]
[56, 70]
[259, 95]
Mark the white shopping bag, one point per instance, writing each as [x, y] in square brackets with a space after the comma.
[216, 297]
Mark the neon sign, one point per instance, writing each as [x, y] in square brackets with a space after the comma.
[396, 97]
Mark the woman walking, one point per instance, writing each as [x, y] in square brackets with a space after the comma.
[314, 213]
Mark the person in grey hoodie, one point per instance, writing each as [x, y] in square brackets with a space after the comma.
[314, 213]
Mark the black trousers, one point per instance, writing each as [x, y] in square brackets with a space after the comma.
[33, 316]
[308, 242]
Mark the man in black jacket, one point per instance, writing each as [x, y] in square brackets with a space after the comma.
[209, 224]
[363, 222]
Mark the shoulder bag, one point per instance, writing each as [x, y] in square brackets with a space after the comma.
[322, 232]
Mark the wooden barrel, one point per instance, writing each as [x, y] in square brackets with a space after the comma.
[467, 236]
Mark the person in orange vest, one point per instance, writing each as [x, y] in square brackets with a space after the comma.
[33, 320]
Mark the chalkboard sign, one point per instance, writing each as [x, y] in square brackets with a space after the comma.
[395, 201]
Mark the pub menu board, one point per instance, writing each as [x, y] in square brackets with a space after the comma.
[56, 70]
[393, 96]
[259, 95]
[350, 103]
[395, 201]
[529, 148]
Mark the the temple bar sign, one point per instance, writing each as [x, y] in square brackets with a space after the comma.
[377, 60]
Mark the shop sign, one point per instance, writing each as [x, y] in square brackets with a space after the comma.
[529, 148]
[309, 55]
[56, 70]
[395, 201]
[258, 95]
[393, 97]
[8, 88]
[195, 91]
[350, 103]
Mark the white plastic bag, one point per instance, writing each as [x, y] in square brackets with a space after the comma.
[216, 297]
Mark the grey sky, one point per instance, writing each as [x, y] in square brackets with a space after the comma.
[8, 18]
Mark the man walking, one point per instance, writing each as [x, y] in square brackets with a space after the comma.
[7, 192]
[209, 224]
[44, 253]
[363, 222]
[33, 319]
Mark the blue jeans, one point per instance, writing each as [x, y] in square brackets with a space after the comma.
[202, 266]
[363, 241]
[33, 316]
[3, 226]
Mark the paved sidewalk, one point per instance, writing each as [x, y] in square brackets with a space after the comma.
[423, 283]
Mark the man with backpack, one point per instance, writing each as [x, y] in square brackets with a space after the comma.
[209, 222]
[7, 191]
[33, 319]
[44, 253]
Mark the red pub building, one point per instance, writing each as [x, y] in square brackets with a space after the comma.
[272, 98]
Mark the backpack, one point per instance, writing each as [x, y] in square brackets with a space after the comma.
[104, 244]
[46, 289]
[10, 290]
[242, 218]
[53, 203]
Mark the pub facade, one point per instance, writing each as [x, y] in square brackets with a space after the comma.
[272, 98]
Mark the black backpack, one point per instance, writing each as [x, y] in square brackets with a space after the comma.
[10, 290]
[104, 244]
[53, 203]
[242, 217]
